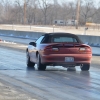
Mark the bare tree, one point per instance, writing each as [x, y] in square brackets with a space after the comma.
[2, 13]
[96, 17]
[18, 12]
[68, 10]
[45, 11]
[32, 11]
[88, 10]
[44, 5]
[7, 6]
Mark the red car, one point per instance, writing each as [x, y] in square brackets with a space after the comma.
[59, 49]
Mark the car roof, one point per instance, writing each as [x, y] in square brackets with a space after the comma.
[69, 34]
[62, 34]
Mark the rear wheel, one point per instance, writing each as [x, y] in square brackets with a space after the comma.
[39, 65]
[28, 62]
[85, 67]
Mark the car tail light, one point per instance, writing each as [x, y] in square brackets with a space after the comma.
[84, 49]
[50, 48]
[88, 49]
[55, 49]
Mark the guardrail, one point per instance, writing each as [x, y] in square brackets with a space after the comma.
[21, 34]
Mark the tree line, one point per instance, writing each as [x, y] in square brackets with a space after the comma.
[44, 12]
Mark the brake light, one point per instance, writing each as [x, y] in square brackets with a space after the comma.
[85, 49]
[88, 49]
[55, 49]
[82, 49]
[50, 48]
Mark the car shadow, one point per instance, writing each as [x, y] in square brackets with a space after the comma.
[71, 69]
[52, 69]
[30, 68]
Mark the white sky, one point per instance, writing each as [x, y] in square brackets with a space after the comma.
[59, 1]
[97, 4]
[74, 1]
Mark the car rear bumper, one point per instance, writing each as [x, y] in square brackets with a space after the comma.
[60, 59]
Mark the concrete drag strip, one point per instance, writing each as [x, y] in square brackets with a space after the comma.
[50, 84]
[13, 45]
[8, 92]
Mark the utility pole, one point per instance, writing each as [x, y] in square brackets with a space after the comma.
[77, 14]
[24, 11]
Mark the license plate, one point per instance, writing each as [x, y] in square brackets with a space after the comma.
[69, 59]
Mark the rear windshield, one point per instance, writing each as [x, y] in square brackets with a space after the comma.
[63, 39]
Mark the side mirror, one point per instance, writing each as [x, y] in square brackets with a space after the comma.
[32, 43]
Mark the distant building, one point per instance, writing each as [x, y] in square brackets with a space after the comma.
[64, 23]
[70, 22]
[59, 22]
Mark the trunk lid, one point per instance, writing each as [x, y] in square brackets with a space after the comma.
[67, 48]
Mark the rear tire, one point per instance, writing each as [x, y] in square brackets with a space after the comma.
[85, 67]
[40, 66]
[28, 62]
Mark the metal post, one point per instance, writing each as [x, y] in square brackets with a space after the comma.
[53, 28]
[84, 31]
[30, 26]
[12, 26]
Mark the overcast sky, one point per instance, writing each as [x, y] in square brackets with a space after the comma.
[59, 1]
[97, 4]
[74, 0]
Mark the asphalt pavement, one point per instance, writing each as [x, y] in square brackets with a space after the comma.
[56, 83]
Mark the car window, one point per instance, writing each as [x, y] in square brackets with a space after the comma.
[45, 39]
[63, 39]
[39, 40]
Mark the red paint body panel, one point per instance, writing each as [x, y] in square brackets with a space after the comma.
[57, 58]
[50, 56]
[55, 53]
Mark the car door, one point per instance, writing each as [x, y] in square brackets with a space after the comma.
[34, 49]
